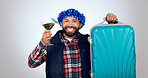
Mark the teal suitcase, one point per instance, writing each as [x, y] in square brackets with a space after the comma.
[113, 51]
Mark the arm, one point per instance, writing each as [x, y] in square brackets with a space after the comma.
[38, 56]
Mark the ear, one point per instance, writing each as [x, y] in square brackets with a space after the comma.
[80, 25]
[61, 24]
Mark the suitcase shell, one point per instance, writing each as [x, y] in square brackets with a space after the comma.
[113, 51]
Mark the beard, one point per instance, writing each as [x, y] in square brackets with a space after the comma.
[70, 34]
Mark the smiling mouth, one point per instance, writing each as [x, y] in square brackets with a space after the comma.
[70, 29]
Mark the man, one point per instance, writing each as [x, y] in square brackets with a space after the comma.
[67, 54]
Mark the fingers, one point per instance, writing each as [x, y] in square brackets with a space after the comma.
[111, 17]
[46, 40]
[46, 36]
[47, 33]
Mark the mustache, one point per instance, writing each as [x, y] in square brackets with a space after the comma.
[70, 27]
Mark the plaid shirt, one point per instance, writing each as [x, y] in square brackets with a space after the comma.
[38, 56]
[72, 59]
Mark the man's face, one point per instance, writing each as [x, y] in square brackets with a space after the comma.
[70, 26]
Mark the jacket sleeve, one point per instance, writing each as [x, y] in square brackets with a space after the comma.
[38, 55]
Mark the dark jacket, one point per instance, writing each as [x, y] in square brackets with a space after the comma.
[55, 62]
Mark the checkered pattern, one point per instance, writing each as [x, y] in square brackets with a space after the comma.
[72, 59]
[38, 56]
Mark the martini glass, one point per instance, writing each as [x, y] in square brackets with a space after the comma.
[48, 26]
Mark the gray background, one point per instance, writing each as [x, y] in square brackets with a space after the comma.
[21, 30]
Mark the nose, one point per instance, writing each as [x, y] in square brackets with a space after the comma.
[70, 23]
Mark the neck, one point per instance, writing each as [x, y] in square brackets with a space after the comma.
[68, 36]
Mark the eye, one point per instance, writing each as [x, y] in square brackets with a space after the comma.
[65, 20]
[75, 21]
